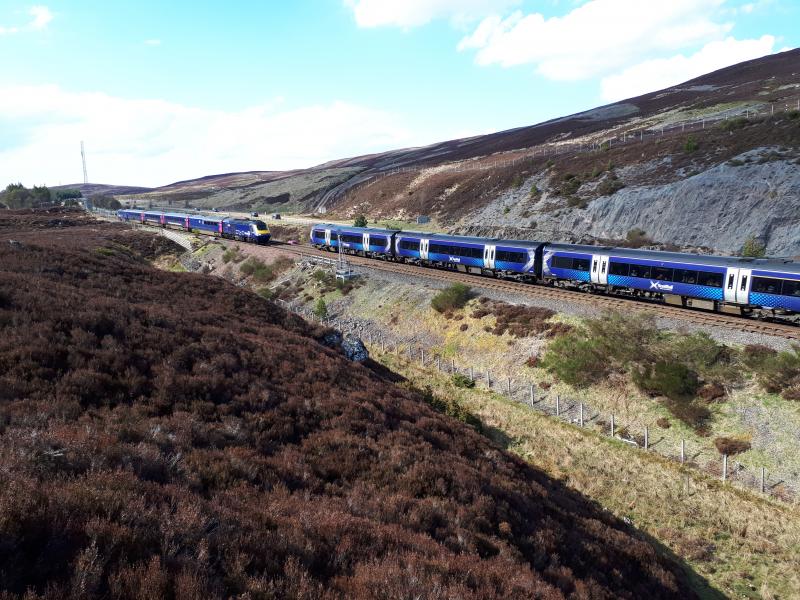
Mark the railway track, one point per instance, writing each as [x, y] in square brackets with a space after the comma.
[618, 303]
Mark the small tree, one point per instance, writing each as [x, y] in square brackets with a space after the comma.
[361, 221]
[321, 309]
[691, 145]
[754, 248]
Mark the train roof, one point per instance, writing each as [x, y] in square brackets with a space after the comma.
[475, 240]
[741, 262]
[357, 229]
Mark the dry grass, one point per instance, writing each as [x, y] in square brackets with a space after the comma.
[745, 545]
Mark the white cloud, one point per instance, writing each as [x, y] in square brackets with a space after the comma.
[596, 37]
[153, 142]
[656, 74]
[412, 13]
[152, 42]
[40, 18]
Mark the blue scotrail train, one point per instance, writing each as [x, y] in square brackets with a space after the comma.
[737, 285]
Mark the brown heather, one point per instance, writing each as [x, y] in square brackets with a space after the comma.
[169, 435]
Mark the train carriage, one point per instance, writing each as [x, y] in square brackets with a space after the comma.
[367, 241]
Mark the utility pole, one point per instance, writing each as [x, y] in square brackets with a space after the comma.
[83, 159]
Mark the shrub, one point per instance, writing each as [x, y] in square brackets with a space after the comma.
[673, 380]
[663, 422]
[637, 238]
[451, 298]
[734, 124]
[575, 360]
[535, 193]
[605, 146]
[263, 273]
[360, 221]
[517, 181]
[731, 446]
[321, 309]
[691, 145]
[610, 185]
[753, 247]
[462, 381]
[780, 372]
[794, 114]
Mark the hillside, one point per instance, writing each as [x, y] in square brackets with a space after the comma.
[629, 161]
[213, 445]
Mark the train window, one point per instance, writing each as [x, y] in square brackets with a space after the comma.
[730, 281]
[744, 284]
[377, 241]
[594, 266]
[662, 274]
[616, 268]
[351, 239]
[641, 271]
[765, 285]
[603, 270]
[581, 264]
[409, 245]
[684, 276]
[319, 234]
[790, 288]
[513, 257]
[709, 279]
[561, 262]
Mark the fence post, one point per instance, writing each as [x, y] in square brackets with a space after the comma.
[558, 405]
[532, 399]
[422, 356]
[763, 478]
[508, 387]
[472, 373]
[646, 438]
[612, 425]
[683, 451]
[580, 417]
[488, 379]
[724, 467]
[438, 363]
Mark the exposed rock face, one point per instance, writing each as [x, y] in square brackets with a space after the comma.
[351, 346]
[717, 208]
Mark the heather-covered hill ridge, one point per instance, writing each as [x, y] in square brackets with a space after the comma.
[171, 435]
[504, 180]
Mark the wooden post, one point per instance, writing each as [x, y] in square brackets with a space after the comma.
[580, 417]
[422, 356]
[453, 366]
[646, 438]
[763, 480]
[558, 405]
[612, 425]
[532, 398]
[724, 467]
[683, 451]
[508, 386]
[472, 373]
[438, 363]
[488, 379]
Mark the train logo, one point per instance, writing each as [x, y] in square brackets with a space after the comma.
[661, 287]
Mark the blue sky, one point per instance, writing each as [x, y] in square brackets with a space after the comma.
[168, 91]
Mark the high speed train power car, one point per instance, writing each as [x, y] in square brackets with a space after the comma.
[738, 285]
[246, 230]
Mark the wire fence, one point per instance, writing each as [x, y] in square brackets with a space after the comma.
[647, 438]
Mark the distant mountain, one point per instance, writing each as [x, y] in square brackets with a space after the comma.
[95, 189]
[514, 181]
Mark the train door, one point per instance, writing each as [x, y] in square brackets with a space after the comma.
[188, 227]
[743, 287]
[423, 249]
[327, 237]
[737, 286]
[489, 253]
[365, 241]
[599, 271]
